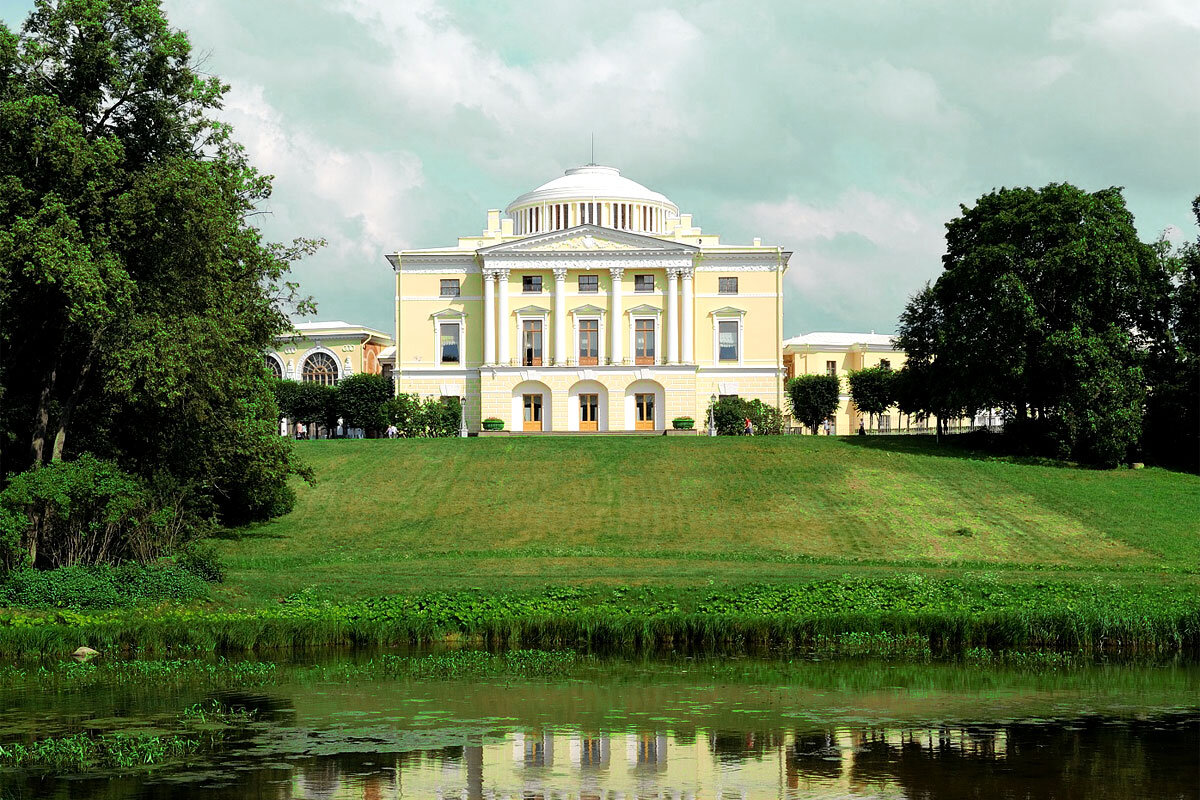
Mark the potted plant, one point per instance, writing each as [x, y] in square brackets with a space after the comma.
[493, 424]
[683, 423]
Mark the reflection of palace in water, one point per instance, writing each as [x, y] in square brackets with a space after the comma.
[540, 765]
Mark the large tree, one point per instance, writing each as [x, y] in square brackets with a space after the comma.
[871, 390]
[1046, 308]
[136, 297]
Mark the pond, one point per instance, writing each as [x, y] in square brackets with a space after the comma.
[348, 727]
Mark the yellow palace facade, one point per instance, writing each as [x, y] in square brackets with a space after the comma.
[590, 304]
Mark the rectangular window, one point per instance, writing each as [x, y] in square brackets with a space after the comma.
[531, 284]
[831, 368]
[727, 285]
[450, 342]
[885, 423]
[643, 283]
[727, 340]
[451, 287]
[643, 341]
[589, 284]
[589, 342]
[883, 362]
[531, 343]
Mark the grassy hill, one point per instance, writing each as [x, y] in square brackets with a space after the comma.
[519, 513]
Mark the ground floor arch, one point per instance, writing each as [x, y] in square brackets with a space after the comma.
[532, 402]
[645, 406]
[587, 407]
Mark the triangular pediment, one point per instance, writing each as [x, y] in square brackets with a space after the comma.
[532, 311]
[728, 311]
[447, 313]
[644, 309]
[585, 239]
[587, 310]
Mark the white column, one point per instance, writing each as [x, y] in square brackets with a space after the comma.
[615, 317]
[489, 317]
[503, 354]
[560, 316]
[672, 316]
[686, 322]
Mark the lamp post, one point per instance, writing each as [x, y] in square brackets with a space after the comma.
[462, 424]
[712, 416]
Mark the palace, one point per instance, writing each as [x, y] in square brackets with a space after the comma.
[590, 304]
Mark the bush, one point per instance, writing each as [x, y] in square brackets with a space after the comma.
[360, 401]
[414, 417]
[100, 587]
[814, 398]
[730, 414]
[81, 512]
[493, 424]
[201, 559]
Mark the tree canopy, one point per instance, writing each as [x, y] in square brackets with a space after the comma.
[871, 390]
[1046, 307]
[814, 398]
[136, 297]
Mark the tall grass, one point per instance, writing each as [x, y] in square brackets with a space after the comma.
[947, 617]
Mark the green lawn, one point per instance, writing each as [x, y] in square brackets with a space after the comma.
[407, 516]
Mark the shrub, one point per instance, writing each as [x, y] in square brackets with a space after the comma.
[100, 587]
[730, 414]
[360, 401]
[201, 559]
[432, 417]
[85, 511]
[493, 424]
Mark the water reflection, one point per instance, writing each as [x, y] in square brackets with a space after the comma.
[1088, 758]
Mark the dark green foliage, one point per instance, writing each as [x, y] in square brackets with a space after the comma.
[313, 404]
[683, 423]
[432, 417]
[136, 298]
[100, 587]
[84, 512]
[1173, 369]
[814, 398]
[202, 560]
[1046, 309]
[871, 390]
[730, 414]
[360, 400]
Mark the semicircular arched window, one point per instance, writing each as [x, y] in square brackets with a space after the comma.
[273, 368]
[320, 368]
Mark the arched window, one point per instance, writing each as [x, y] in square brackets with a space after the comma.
[320, 368]
[273, 368]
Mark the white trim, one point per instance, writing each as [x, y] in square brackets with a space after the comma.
[576, 318]
[654, 314]
[283, 373]
[312, 351]
[718, 295]
[517, 421]
[447, 319]
[738, 268]
[717, 319]
[453, 299]
[523, 314]
[660, 402]
[590, 386]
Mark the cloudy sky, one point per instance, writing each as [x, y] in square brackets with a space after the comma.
[848, 131]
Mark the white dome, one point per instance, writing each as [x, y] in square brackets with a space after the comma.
[588, 183]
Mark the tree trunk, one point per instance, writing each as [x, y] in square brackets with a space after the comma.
[64, 419]
[41, 417]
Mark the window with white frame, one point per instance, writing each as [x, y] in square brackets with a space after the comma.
[589, 284]
[727, 285]
[449, 342]
[451, 287]
[727, 340]
[531, 284]
[831, 368]
[643, 283]
[589, 341]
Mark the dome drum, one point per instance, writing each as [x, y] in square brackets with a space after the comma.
[591, 195]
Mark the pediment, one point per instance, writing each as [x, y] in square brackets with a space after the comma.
[645, 309]
[447, 313]
[532, 311]
[728, 311]
[587, 310]
[586, 239]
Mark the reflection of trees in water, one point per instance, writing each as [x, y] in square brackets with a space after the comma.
[1071, 759]
[816, 754]
[731, 747]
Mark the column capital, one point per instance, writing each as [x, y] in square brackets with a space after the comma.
[674, 272]
[560, 273]
[616, 272]
[501, 273]
[686, 272]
